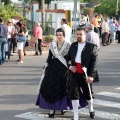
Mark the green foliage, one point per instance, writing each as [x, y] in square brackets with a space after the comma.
[47, 25]
[8, 11]
[86, 10]
[26, 1]
[107, 7]
[40, 2]
[48, 38]
[81, 0]
[6, 2]
[92, 1]
[47, 1]
[49, 21]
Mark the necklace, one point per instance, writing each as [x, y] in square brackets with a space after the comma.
[60, 46]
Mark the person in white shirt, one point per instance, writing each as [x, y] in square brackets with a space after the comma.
[92, 36]
[105, 31]
[67, 29]
[11, 28]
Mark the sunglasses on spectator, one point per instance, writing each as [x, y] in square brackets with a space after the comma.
[9, 22]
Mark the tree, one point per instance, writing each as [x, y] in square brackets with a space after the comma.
[8, 11]
[92, 1]
[24, 6]
[40, 2]
[6, 2]
[107, 7]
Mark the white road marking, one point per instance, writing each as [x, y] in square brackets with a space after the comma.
[106, 103]
[118, 88]
[40, 116]
[109, 94]
[37, 116]
[102, 114]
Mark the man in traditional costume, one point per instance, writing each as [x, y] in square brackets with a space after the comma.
[82, 54]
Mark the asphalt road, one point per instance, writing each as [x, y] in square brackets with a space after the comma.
[19, 82]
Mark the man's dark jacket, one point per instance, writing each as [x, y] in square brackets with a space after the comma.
[89, 57]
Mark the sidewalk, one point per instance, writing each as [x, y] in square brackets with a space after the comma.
[31, 51]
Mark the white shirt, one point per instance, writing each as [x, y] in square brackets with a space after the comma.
[9, 31]
[93, 37]
[68, 32]
[105, 27]
[78, 55]
[119, 28]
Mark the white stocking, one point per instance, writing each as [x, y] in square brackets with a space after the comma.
[75, 104]
[90, 105]
[51, 111]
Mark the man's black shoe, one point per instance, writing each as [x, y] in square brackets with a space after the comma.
[92, 115]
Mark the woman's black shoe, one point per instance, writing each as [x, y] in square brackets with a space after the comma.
[51, 115]
[63, 112]
[92, 115]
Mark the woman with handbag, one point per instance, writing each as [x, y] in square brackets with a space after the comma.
[38, 33]
[21, 37]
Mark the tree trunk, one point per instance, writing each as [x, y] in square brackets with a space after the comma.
[43, 15]
[24, 11]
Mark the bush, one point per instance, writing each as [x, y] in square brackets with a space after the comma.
[48, 39]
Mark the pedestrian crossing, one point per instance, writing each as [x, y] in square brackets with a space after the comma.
[103, 113]
[118, 88]
[106, 103]
[109, 94]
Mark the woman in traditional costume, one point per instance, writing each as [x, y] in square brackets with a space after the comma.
[53, 91]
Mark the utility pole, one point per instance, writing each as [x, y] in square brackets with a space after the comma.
[43, 15]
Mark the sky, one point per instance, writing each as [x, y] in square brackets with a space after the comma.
[14, 0]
